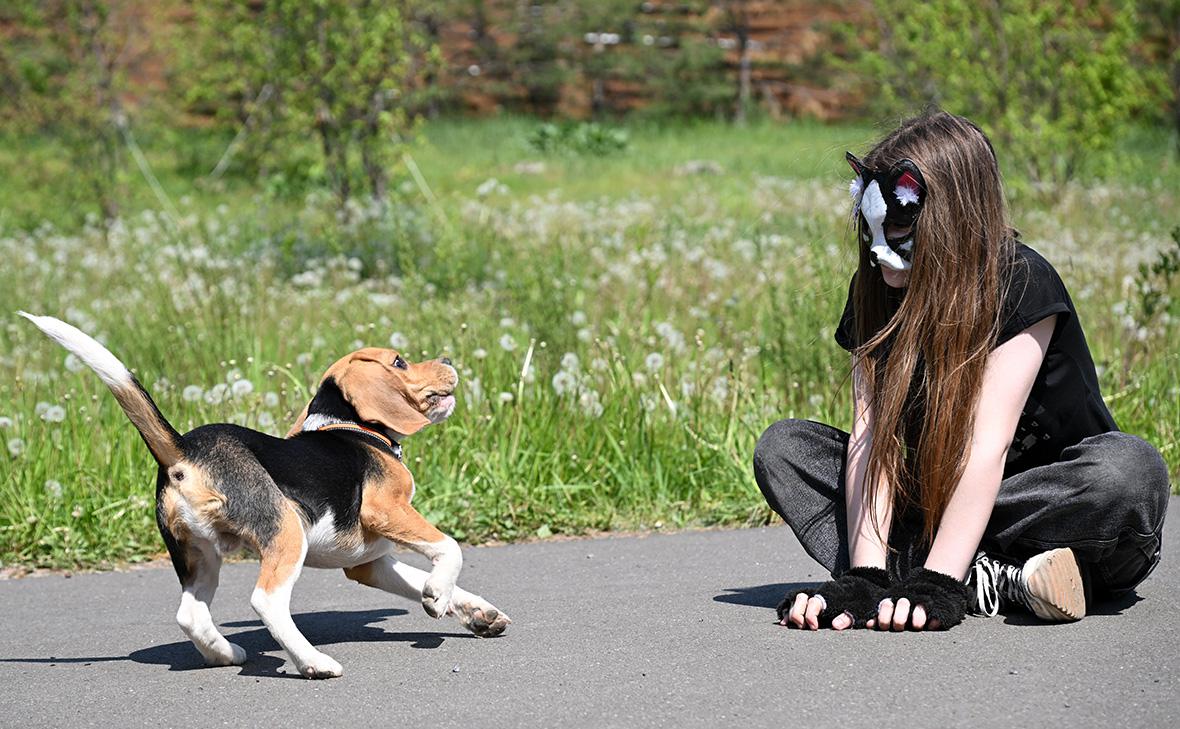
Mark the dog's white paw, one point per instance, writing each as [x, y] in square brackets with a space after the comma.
[482, 618]
[320, 665]
[236, 656]
[436, 597]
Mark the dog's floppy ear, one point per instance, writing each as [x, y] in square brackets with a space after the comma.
[379, 396]
[298, 426]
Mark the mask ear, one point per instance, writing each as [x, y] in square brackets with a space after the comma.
[857, 166]
[909, 187]
[379, 397]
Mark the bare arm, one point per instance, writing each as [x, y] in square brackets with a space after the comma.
[866, 535]
[1007, 380]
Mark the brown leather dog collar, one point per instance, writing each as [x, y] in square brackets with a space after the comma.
[394, 448]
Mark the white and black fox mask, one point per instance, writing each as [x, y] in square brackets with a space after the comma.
[891, 198]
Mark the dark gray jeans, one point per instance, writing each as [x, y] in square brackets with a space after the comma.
[1105, 498]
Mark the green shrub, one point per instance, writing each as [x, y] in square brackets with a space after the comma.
[1051, 82]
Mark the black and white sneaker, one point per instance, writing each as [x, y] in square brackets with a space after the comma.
[1048, 585]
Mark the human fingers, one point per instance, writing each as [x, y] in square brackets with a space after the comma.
[795, 616]
[918, 619]
[842, 621]
[884, 614]
[901, 613]
[815, 606]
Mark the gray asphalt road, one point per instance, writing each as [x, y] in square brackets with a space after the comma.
[666, 630]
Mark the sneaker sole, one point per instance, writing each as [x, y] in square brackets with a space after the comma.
[1055, 586]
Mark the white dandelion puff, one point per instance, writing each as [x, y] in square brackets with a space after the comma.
[271, 399]
[564, 382]
[505, 398]
[398, 341]
[192, 393]
[507, 343]
[590, 403]
[480, 353]
[53, 489]
[242, 388]
[216, 393]
[569, 362]
[73, 364]
[54, 414]
[5, 421]
[16, 447]
[265, 419]
[654, 361]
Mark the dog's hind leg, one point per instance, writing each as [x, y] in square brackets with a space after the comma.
[204, 564]
[386, 573]
[282, 560]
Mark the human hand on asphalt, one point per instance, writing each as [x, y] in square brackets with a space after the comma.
[899, 616]
[925, 599]
[844, 602]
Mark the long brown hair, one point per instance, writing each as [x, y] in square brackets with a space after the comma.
[924, 364]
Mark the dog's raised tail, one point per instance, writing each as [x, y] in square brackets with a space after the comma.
[161, 438]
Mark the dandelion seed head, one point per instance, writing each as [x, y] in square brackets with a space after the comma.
[16, 447]
[53, 489]
[54, 414]
[564, 382]
[398, 341]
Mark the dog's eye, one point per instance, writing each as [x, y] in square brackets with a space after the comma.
[400, 363]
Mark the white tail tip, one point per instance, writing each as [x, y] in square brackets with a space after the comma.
[86, 348]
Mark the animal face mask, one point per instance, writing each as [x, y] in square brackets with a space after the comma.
[885, 200]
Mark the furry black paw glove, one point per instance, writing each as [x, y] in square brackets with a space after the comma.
[943, 597]
[856, 592]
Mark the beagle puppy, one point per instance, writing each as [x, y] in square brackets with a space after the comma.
[334, 494]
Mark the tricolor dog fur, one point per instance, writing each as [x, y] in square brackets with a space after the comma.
[334, 494]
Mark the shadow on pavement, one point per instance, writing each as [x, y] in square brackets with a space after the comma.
[767, 596]
[328, 627]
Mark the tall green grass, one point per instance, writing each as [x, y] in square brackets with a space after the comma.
[667, 317]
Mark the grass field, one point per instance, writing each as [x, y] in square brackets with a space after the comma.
[667, 313]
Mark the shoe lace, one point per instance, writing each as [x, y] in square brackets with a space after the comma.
[995, 583]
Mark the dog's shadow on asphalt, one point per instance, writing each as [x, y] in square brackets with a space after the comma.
[328, 627]
[765, 596]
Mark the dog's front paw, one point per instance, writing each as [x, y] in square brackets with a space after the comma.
[235, 656]
[320, 665]
[482, 618]
[436, 597]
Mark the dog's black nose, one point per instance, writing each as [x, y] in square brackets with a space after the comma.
[445, 360]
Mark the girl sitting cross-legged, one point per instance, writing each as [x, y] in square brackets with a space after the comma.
[983, 470]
